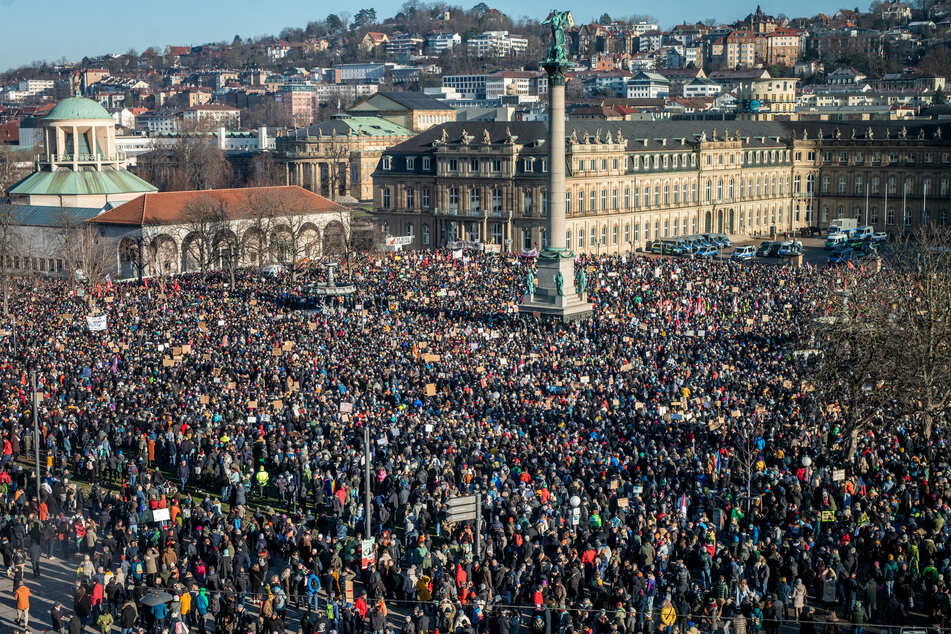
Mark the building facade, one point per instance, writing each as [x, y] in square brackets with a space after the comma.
[633, 182]
[337, 158]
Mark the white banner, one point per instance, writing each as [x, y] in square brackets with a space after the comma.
[96, 323]
[457, 255]
[403, 241]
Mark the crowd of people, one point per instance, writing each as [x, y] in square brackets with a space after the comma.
[665, 465]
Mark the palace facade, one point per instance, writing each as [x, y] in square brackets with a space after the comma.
[631, 182]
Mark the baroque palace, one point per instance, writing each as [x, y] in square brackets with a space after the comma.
[630, 182]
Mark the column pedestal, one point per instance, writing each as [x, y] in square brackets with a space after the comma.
[547, 301]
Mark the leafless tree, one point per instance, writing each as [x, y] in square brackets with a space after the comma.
[339, 154]
[292, 237]
[206, 222]
[9, 248]
[919, 292]
[89, 256]
[13, 167]
[259, 212]
[745, 455]
[856, 362]
[265, 171]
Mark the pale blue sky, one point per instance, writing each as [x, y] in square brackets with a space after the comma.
[50, 29]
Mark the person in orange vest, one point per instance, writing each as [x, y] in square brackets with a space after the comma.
[22, 597]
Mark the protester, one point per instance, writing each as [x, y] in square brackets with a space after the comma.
[665, 465]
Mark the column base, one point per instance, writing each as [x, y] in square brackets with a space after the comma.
[546, 302]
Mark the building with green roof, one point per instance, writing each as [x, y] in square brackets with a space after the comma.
[80, 165]
[336, 158]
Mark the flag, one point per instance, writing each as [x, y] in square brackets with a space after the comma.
[146, 280]
[716, 461]
[98, 290]
[177, 287]
[108, 283]
[683, 504]
[850, 265]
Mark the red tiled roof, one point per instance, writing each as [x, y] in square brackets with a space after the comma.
[163, 208]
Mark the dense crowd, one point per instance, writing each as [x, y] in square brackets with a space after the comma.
[665, 465]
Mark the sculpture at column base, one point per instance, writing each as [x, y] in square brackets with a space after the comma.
[546, 301]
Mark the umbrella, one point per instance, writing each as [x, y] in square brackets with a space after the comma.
[155, 598]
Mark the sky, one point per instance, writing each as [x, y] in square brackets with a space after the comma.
[51, 29]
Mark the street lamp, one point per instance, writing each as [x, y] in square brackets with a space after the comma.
[36, 433]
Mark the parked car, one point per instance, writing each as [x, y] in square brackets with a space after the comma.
[879, 236]
[707, 252]
[767, 249]
[673, 247]
[657, 247]
[790, 248]
[841, 257]
[744, 253]
[724, 240]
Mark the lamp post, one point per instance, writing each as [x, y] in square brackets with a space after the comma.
[36, 433]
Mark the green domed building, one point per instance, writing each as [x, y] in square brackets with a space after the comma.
[80, 165]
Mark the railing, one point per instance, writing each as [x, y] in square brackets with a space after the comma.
[87, 158]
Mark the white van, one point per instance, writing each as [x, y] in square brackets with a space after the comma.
[836, 239]
[272, 270]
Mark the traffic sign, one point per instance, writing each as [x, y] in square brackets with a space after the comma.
[462, 508]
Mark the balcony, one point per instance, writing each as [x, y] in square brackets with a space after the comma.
[87, 158]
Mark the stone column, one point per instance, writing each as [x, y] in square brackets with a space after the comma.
[75, 149]
[556, 166]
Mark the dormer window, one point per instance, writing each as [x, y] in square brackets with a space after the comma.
[410, 163]
[387, 162]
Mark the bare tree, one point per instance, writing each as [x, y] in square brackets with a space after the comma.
[919, 291]
[14, 165]
[265, 171]
[9, 248]
[260, 219]
[339, 153]
[198, 164]
[293, 238]
[856, 358]
[89, 256]
[206, 219]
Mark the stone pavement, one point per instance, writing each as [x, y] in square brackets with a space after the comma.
[55, 584]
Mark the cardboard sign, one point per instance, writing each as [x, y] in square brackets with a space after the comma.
[348, 590]
[186, 349]
[430, 389]
[622, 503]
[288, 345]
[203, 399]
[161, 515]
[277, 405]
[177, 351]
[838, 475]
[167, 363]
[252, 404]
[346, 408]
[431, 358]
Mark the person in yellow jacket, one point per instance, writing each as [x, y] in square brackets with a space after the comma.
[262, 478]
[668, 616]
[186, 602]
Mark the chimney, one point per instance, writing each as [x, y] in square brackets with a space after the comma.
[262, 138]
[221, 138]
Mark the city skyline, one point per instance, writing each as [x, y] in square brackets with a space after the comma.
[73, 33]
